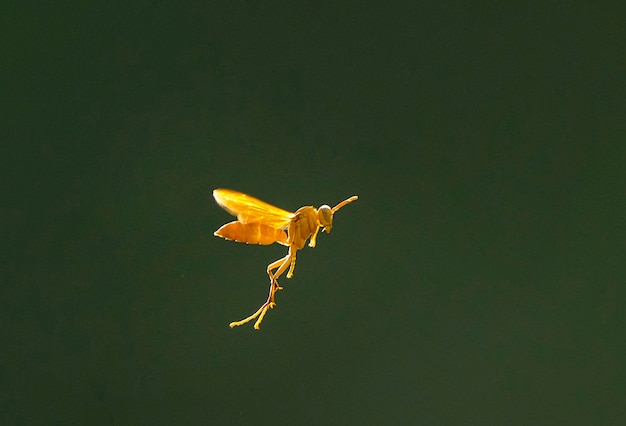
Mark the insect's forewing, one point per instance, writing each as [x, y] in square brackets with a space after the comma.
[250, 210]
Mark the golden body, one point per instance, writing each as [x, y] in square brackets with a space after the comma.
[261, 223]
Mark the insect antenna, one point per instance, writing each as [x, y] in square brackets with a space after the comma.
[344, 202]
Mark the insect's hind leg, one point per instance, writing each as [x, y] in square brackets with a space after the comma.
[269, 304]
[281, 264]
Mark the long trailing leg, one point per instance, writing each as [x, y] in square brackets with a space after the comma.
[269, 303]
[281, 264]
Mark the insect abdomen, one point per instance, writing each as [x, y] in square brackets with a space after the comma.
[252, 233]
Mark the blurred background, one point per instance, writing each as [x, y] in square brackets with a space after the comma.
[477, 280]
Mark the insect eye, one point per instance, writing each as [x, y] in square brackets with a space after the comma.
[326, 217]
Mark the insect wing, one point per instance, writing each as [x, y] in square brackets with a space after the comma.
[250, 210]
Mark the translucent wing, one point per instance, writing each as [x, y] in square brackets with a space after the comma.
[250, 210]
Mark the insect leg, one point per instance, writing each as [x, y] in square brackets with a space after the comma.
[269, 303]
[313, 238]
[281, 264]
[292, 265]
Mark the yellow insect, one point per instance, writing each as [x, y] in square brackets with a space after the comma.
[261, 223]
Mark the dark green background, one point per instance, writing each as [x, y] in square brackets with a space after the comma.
[478, 280]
